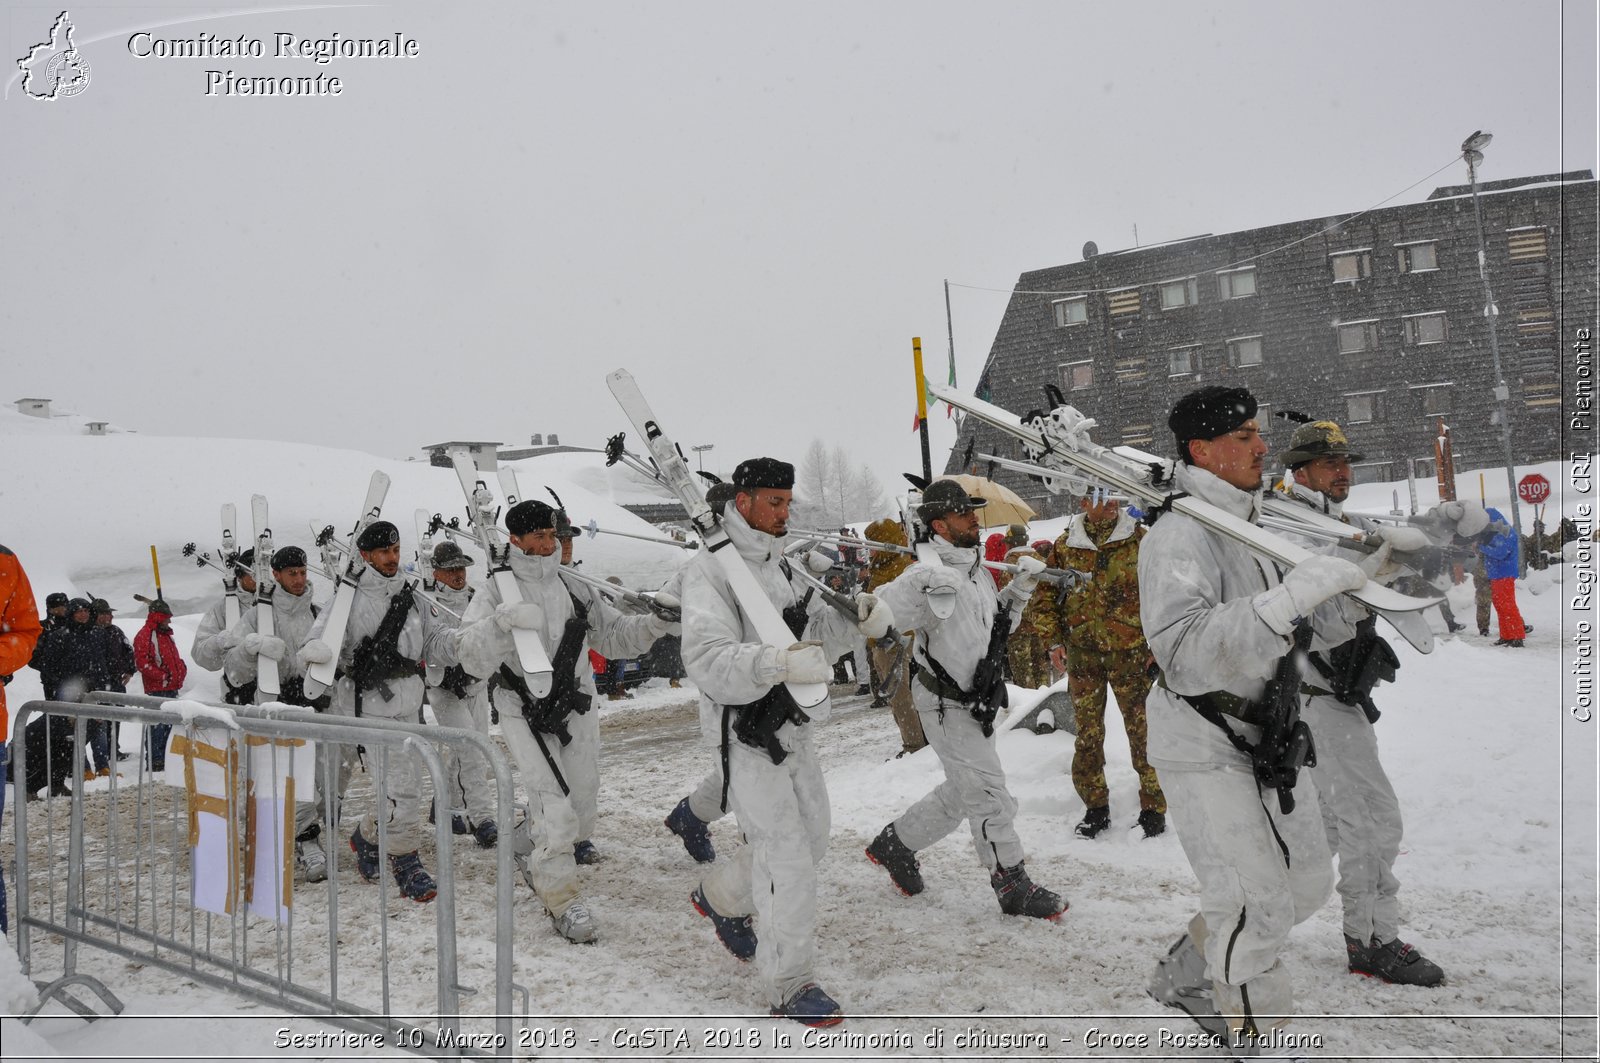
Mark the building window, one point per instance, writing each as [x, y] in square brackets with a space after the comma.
[1181, 361]
[1074, 311]
[1244, 351]
[1236, 283]
[1424, 328]
[1131, 370]
[1184, 291]
[1435, 399]
[1138, 435]
[1419, 257]
[1078, 375]
[1373, 472]
[1541, 389]
[1364, 407]
[1122, 302]
[1425, 468]
[1352, 266]
[1358, 336]
[1528, 244]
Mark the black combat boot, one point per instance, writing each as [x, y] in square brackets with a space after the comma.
[892, 854]
[1019, 896]
[1095, 820]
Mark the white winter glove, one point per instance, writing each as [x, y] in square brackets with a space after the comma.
[1402, 538]
[931, 580]
[1307, 586]
[668, 599]
[873, 616]
[268, 646]
[818, 562]
[804, 662]
[316, 652]
[1022, 584]
[660, 626]
[509, 615]
[1469, 518]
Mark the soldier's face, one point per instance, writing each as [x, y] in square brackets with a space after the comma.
[541, 542]
[247, 583]
[958, 529]
[1331, 475]
[386, 559]
[454, 578]
[291, 579]
[765, 509]
[1234, 457]
[1102, 512]
[566, 549]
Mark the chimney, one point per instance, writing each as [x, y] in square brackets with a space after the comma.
[553, 440]
[536, 440]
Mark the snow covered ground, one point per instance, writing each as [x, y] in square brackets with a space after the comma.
[1496, 778]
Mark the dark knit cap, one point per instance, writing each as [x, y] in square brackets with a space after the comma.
[1209, 412]
[160, 607]
[377, 535]
[288, 557]
[530, 515]
[55, 599]
[755, 474]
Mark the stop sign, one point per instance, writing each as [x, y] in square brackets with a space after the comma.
[1533, 488]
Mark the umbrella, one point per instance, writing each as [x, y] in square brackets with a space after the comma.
[1005, 506]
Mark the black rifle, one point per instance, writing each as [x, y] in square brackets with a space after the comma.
[757, 723]
[548, 715]
[1285, 744]
[989, 677]
[377, 658]
[1354, 668]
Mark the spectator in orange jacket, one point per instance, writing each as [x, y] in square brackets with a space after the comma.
[19, 630]
[161, 666]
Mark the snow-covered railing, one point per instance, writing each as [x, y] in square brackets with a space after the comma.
[189, 870]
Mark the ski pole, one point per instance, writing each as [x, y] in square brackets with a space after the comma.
[665, 612]
[592, 529]
[847, 607]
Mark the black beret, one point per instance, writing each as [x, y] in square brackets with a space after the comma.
[1210, 412]
[246, 559]
[530, 515]
[754, 474]
[288, 557]
[717, 496]
[377, 535]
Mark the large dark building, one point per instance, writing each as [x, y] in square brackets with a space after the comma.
[1374, 320]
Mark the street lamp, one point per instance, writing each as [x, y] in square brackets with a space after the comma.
[701, 450]
[1472, 151]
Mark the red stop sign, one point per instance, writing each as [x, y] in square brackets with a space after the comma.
[1533, 488]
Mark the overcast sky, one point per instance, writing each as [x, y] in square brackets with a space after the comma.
[752, 206]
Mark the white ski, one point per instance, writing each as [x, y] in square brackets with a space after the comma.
[319, 677]
[229, 556]
[266, 667]
[424, 521]
[531, 654]
[675, 474]
[1060, 440]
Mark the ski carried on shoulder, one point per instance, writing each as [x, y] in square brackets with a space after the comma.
[266, 668]
[229, 555]
[531, 654]
[1059, 440]
[675, 474]
[424, 521]
[319, 677]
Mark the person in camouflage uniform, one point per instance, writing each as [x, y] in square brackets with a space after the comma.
[1028, 653]
[1095, 635]
[884, 566]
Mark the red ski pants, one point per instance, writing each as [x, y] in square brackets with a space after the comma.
[1503, 592]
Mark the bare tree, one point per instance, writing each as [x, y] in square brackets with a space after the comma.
[830, 490]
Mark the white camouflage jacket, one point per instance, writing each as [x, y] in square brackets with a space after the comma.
[292, 618]
[961, 641]
[722, 653]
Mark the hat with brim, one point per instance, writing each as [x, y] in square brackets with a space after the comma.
[944, 497]
[1318, 439]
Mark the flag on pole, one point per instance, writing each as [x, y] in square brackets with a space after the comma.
[949, 410]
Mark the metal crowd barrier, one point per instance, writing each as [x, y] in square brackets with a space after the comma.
[119, 875]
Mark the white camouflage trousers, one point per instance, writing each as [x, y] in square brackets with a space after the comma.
[469, 782]
[1362, 815]
[784, 815]
[557, 820]
[974, 787]
[1251, 893]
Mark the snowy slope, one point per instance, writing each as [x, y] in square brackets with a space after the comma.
[1496, 779]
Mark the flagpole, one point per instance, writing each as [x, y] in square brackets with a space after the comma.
[950, 333]
[922, 406]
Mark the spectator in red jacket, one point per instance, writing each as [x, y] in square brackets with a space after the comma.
[19, 630]
[161, 666]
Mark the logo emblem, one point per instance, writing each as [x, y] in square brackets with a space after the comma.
[54, 68]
